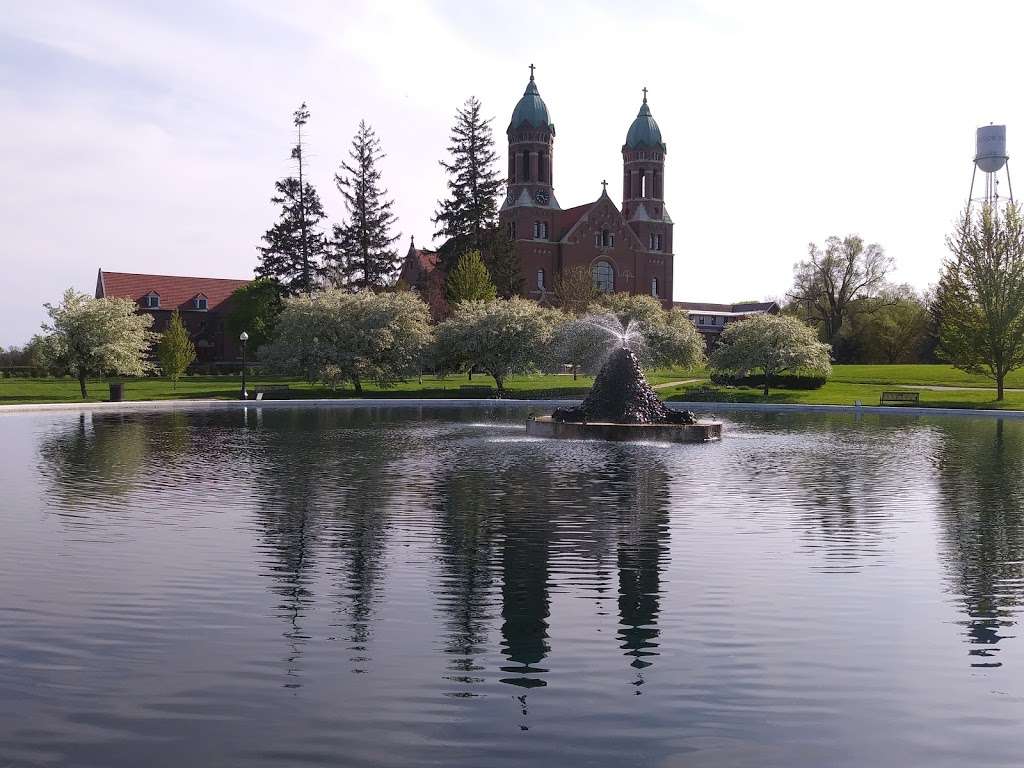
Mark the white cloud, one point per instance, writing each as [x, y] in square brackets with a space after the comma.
[149, 139]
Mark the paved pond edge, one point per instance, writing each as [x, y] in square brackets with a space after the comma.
[395, 402]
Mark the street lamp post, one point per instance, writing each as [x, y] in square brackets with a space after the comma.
[243, 337]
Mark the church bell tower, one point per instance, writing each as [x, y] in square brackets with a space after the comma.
[531, 138]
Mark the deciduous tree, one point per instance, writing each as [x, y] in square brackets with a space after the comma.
[980, 297]
[97, 337]
[175, 350]
[574, 289]
[340, 336]
[254, 309]
[771, 344]
[501, 337]
[833, 279]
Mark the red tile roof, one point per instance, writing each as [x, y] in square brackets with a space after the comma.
[567, 219]
[175, 292]
[418, 263]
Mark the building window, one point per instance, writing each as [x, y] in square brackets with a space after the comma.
[651, 246]
[603, 276]
[199, 302]
[540, 279]
[654, 287]
[544, 230]
[536, 230]
[597, 239]
[657, 242]
[700, 320]
[152, 301]
[606, 239]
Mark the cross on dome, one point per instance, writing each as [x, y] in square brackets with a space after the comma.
[645, 94]
[531, 71]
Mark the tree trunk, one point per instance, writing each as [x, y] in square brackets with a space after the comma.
[766, 386]
[1000, 381]
[499, 383]
[81, 384]
[574, 373]
[358, 384]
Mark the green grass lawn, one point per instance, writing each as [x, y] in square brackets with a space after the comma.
[848, 384]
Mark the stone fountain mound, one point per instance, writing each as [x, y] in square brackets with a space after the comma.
[621, 405]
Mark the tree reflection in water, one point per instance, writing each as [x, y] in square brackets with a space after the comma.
[980, 465]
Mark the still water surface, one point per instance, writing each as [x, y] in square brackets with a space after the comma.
[432, 588]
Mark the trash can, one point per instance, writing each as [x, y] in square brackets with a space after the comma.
[116, 391]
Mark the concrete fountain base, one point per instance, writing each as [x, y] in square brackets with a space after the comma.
[701, 432]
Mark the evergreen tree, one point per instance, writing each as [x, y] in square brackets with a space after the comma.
[363, 249]
[175, 349]
[469, 281]
[474, 183]
[295, 246]
[502, 263]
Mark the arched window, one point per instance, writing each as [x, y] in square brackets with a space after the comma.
[511, 230]
[536, 230]
[651, 246]
[540, 279]
[607, 238]
[603, 276]
[544, 230]
[657, 243]
[654, 287]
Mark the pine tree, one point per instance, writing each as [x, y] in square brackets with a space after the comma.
[365, 258]
[295, 246]
[474, 183]
[502, 262]
[469, 281]
[175, 349]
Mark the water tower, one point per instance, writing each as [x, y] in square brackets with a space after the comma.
[990, 158]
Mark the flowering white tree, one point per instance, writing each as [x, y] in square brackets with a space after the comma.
[97, 337]
[772, 344]
[337, 336]
[502, 337]
[672, 341]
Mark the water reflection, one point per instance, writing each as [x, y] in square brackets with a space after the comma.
[773, 585]
[980, 467]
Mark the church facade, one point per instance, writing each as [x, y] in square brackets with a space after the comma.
[627, 249]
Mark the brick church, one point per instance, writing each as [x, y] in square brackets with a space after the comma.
[627, 250]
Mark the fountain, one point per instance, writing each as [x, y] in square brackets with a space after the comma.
[621, 405]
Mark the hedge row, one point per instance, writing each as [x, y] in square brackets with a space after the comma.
[787, 381]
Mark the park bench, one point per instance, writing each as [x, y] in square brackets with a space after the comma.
[899, 398]
[275, 392]
[476, 389]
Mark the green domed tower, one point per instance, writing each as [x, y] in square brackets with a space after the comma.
[531, 136]
[643, 182]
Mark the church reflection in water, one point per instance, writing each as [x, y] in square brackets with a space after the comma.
[507, 532]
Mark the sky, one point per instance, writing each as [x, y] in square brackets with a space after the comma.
[146, 137]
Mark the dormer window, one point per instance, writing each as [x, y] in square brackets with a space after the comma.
[151, 300]
[200, 303]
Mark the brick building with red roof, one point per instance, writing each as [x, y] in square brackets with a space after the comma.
[203, 303]
[627, 250]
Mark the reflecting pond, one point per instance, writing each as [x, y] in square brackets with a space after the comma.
[431, 587]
